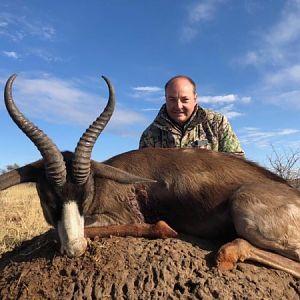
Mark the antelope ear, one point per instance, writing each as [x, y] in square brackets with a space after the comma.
[118, 175]
[28, 173]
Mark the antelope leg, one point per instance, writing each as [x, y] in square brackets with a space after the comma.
[240, 250]
[159, 230]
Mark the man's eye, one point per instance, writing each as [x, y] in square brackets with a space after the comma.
[185, 100]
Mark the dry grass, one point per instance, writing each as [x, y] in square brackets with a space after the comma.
[21, 216]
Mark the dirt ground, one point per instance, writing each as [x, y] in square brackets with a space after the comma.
[135, 268]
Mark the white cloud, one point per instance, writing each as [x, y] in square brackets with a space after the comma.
[288, 131]
[11, 54]
[280, 44]
[253, 6]
[218, 99]
[281, 87]
[150, 109]
[17, 27]
[246, 99]
[285, 99]
[262, 139]
[277, 57]
[21, 26]
[148, 93]
[44, 55]
[251, 58]
[230, 112]
[199, 12]
[48, 32]
[188, 33]
[64, 102]
[287, 30]
[3, 24]
[52, 99]
[250, 129]
[125, 117]
[221, 99]
[284, 76]
[202, 11]
[147, 89]
[37, 28]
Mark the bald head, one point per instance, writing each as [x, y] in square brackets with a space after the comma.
[170, 81]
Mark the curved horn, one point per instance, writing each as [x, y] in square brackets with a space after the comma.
[82, 156]
[54, 162]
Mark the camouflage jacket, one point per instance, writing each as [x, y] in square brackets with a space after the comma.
[205, 129]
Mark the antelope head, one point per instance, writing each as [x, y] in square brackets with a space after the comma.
[65, 180]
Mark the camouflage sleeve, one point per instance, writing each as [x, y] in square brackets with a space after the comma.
[146, 139]
[228, 141]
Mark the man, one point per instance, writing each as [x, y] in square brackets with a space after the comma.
[182, 123]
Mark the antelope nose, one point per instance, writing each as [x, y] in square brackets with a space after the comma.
[75, 247]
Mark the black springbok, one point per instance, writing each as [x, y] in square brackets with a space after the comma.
[196, 192]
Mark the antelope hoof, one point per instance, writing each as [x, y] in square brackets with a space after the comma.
[230, 253]
[163, 230]
[226, 258]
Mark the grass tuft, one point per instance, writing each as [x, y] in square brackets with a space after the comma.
[21, 216]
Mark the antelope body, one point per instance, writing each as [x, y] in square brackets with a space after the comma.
[195, 191]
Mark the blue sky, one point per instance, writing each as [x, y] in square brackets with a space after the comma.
[243, 54]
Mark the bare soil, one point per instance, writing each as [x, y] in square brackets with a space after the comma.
[135, 268]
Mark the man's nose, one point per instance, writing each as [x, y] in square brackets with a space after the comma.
[178, 104]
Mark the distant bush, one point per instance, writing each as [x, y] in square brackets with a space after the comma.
[287, 165]
[9, 168]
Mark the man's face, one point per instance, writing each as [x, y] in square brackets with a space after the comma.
[180, 100]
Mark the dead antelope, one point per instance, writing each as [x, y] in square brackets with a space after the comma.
[197, 192]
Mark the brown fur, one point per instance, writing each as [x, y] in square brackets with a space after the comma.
[193, 186]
